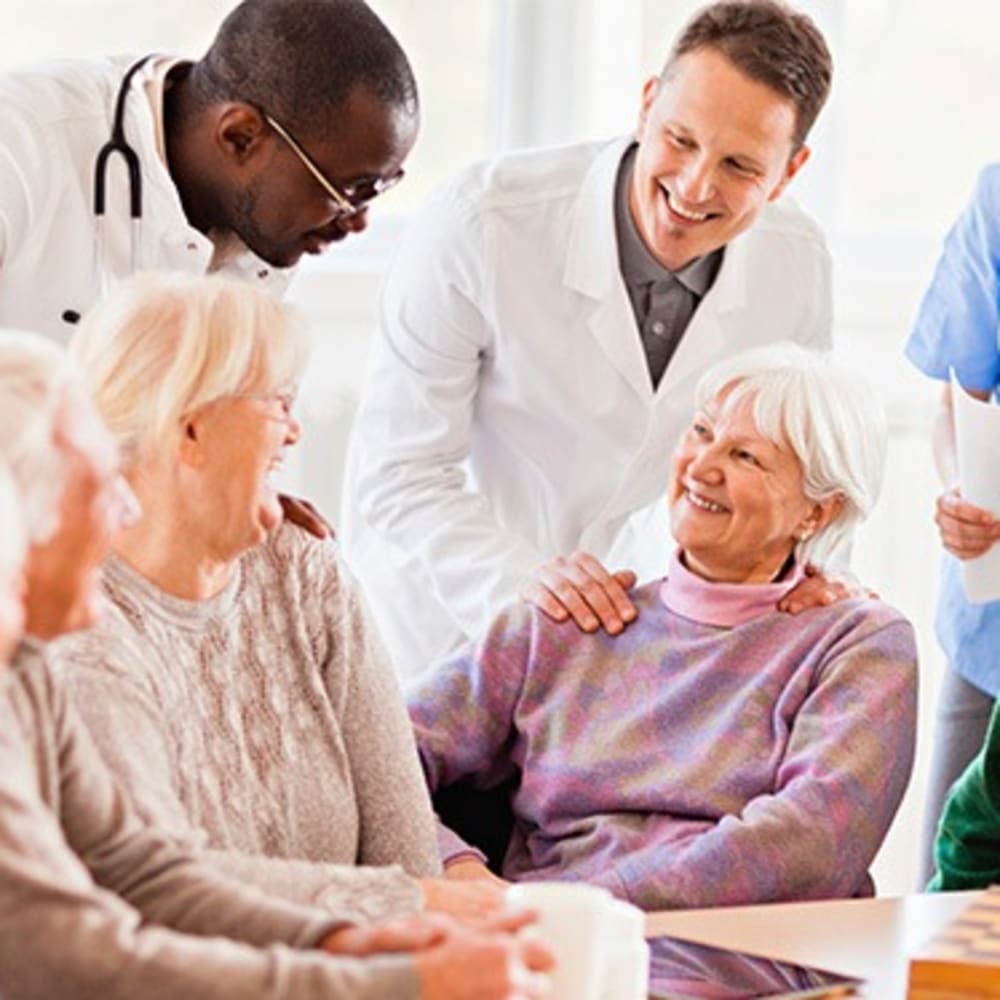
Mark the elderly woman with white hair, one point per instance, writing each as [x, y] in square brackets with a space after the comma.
[94, 903]
[236, 685]
[717, 751]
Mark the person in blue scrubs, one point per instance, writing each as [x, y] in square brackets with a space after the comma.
[958, 326]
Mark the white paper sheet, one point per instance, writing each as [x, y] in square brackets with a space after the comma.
[977, 438]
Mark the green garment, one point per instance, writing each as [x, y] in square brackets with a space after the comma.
[967, 850]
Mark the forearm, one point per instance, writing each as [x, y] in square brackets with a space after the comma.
[66, 946]
[61, 935]
[453, 848]
[463, 713]
[835, 792]
[355, 894]
[187, 893]
[772, 852]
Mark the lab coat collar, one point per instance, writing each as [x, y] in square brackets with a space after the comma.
[592, 270]
[167, 234]
[592, 255]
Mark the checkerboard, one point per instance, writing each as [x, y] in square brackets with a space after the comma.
[963, 961]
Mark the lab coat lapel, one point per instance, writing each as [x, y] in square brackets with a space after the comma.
[592, 271]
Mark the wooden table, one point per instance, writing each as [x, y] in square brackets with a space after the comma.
[868, 938]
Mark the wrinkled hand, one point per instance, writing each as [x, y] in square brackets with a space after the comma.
[966, 531]
[303, 514]
[410, 934]
[579, 587]
[820, 589]
[492, 962]
[466, 900]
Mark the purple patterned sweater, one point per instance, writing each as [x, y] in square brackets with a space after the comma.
[717, 752]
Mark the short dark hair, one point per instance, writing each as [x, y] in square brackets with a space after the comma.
[771, 43]
[300, 60]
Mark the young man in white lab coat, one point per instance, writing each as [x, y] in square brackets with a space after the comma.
[546, 320]
[270, 146]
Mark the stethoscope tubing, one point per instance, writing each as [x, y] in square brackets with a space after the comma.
[117, 144]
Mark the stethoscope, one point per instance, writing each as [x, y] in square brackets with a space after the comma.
[117, 143]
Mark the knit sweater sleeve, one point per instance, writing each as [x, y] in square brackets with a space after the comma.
[463, 712]
[396, 821]
[967, 850]
[133, 736]
[97, 905]
[843, 773]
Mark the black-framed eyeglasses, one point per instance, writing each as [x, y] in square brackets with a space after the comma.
[349, 200]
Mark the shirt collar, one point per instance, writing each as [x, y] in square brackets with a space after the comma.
[722, 604]
[638, 266]
[153, 85]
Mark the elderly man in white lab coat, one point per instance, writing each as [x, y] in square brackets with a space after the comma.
[546, 320]
[268, 147]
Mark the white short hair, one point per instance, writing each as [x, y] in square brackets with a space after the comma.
[13, 529]
[34, 376]
[826, 414]
[163, 345]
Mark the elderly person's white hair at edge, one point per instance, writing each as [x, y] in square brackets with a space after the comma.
[208, 355]
[827, 414]
[13, 532]
[34, 375]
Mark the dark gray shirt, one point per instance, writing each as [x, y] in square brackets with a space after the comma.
[663, 301]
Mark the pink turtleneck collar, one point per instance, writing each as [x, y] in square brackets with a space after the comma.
[722, 604]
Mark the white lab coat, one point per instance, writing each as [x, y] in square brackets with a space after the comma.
[508, 414]
[53, 120]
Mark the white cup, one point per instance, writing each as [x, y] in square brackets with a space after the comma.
[626, 975]
[574, 921]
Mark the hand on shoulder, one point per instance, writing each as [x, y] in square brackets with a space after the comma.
[581, 588]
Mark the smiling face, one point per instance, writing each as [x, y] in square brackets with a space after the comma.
[737, 506]
[230, 452]
[281, 211]
[714, 147]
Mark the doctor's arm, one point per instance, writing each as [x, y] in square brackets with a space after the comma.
[414, 426]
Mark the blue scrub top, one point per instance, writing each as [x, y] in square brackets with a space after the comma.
[959, 326]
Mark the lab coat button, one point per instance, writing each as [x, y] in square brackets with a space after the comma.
[192, 245]
[262, 274]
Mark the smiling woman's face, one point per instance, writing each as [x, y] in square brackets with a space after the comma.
[231, 450]
[736, 499]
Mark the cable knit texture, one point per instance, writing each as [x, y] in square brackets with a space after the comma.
[264, 723]
[96, 905]
[682, 763]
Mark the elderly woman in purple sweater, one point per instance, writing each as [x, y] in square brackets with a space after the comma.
[717, 751]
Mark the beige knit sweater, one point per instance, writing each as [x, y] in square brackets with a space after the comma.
[264, 725]
[96, 905]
